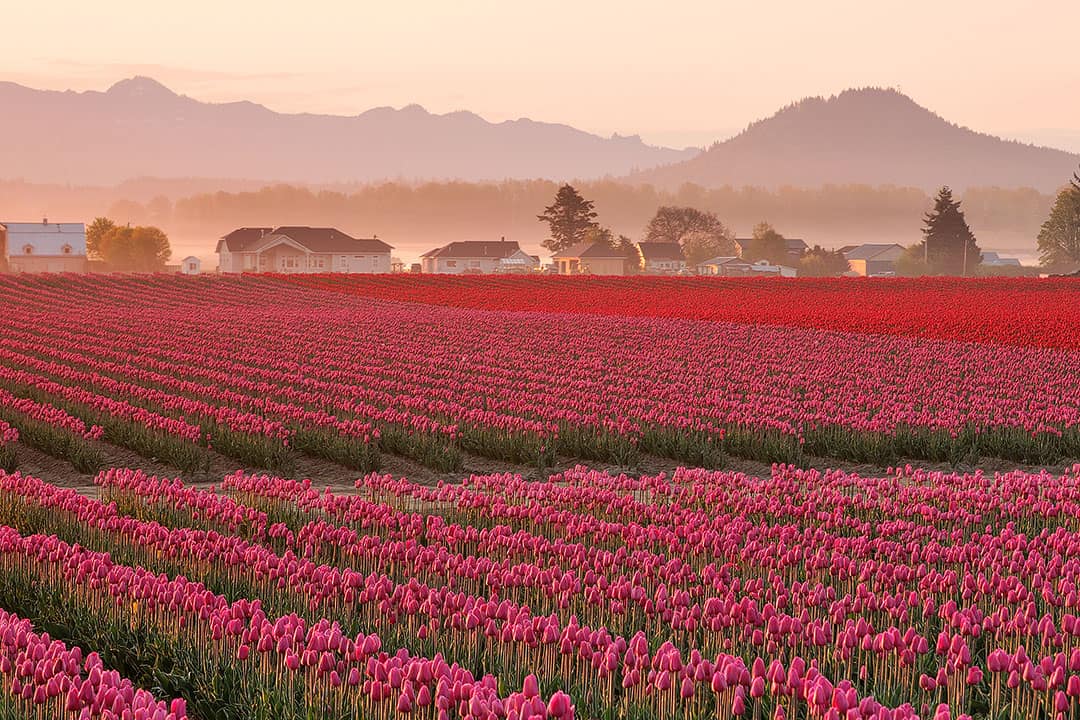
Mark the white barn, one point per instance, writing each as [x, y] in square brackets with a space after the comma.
[190, 265]
[43, 246]
[300, 249]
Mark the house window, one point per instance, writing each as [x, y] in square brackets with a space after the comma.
[451, 263]
[66, 249]
[191, 267]
[28, 249]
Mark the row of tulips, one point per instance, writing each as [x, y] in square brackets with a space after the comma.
[684, 388]
[230, 659]
[41, 677]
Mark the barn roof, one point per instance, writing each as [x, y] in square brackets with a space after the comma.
[45, 238]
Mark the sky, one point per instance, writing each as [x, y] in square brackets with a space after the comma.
[677, 73]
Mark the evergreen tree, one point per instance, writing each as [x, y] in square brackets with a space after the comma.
[569, 218]
[1059, 238]
[949, 246]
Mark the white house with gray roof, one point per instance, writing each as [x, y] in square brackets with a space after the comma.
[300, 249]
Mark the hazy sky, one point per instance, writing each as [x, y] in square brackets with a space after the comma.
[675, 72]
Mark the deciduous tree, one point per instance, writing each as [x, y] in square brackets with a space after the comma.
[819, 262]
[766, 244]
[135, 249]
[701, 234]
[1059, 238]
[95, 232]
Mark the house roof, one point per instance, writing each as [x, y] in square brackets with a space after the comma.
[590, 250]
[660, 251]
[45, 238]
[792, 244]
[870, 251]
[312, 239]
[494, 249]
[242, 238]
[990, 257]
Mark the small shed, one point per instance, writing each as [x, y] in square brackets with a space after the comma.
[190, 265]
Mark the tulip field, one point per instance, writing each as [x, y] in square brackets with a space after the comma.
[703, 594]
[264, 370]
[570, 578]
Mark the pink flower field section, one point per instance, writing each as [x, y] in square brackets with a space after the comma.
[641, 532]
[261, 371]
[703, 594]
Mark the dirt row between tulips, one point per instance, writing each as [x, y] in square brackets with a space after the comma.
[324, 473]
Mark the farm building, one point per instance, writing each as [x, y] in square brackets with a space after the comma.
[725, 267]
[590, 258]
[469, 256]
[43, 247]
[300, 249]
[660, 258]
[992, 259]
[190, 265]
[874, 258]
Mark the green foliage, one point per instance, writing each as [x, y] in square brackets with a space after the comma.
[819, 262]
[95, 234]
[132, 249]
[1059, 238]
[950, 246]
[569, 219]
[766, 244]
[912, 263]
[700, 233]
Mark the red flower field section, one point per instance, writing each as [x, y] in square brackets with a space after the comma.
[1008, 311]
[260, 370]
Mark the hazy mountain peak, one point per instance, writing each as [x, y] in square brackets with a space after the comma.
[140, 86]
[870, 136]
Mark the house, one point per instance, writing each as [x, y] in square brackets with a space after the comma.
[795, 247]
[520, 263]
[661, 258]
[300, 249]
[468, 256]
[590, 258]
[725, 267]
[992, 259]
[190, 265]
[874, 258]
[43, 247]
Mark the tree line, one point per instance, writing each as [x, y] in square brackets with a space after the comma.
[429, 214]
[948, 247]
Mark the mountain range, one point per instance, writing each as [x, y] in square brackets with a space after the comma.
[140, 128]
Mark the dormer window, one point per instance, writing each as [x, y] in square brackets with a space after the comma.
[28, 249]
[66, 249]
